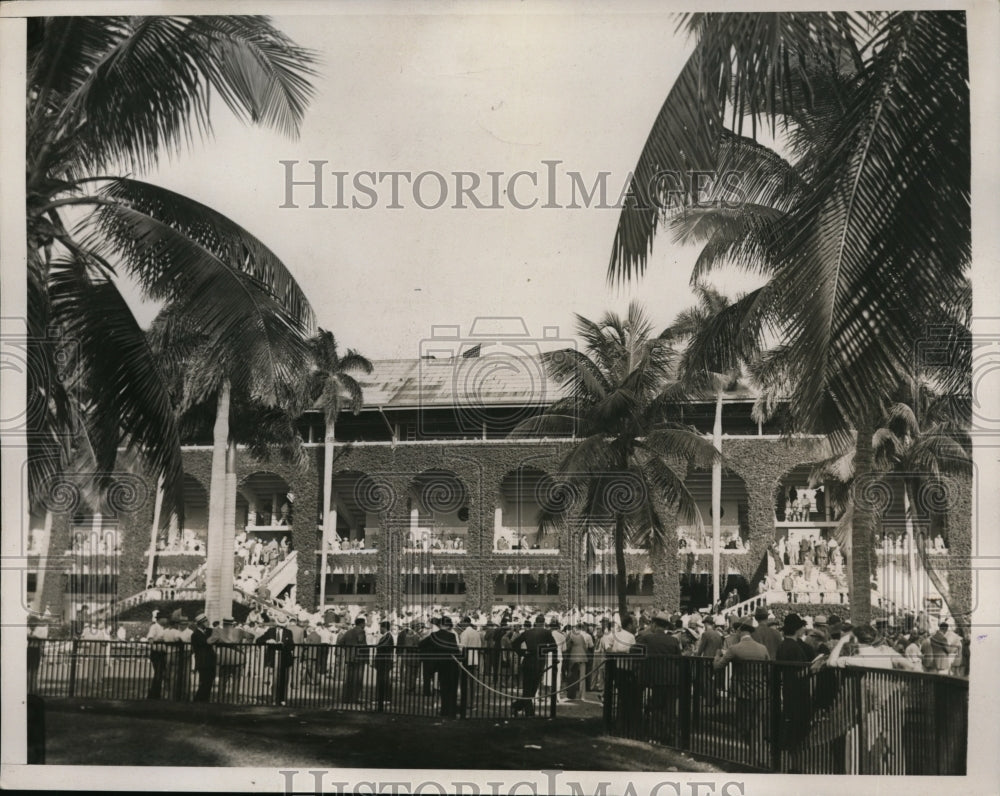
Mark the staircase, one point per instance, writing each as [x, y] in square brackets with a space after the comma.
[284, 574]
[251, 600]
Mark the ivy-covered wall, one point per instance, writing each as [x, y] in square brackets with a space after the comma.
[481, 467]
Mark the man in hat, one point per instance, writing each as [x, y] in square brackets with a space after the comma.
[204, 657]
[661, 674]
[749, 680]
[157, 653]
[871, 653]
[765, 633]
[442, 646]
[355, 651]
[279, 637]
[792, 648]
[470, 639]
[407, 643]
[534, 645]
[795, 698]
[384, 648]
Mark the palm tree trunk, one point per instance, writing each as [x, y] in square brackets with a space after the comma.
[862, 529]
[717, 503]
[44, 544]
[215, 563]
[911, 542]
[328, 521]
[621, 574]
[154, 531]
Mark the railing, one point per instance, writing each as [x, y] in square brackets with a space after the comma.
[283, 574]
[155, 593]
[477, 683]
[748, 606]
[787, 718]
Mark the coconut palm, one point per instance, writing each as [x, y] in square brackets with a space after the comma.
[708, 364]
[911, 458]
[332, 388]
[878, 236]
[624, 467]
[111, 94]
[247, 390]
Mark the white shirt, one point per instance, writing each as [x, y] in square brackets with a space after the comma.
[621, 640]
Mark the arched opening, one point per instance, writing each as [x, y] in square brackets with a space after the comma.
[189, 537]
[357, 501]
[734, 515]
[264, 505]
[527, 496]
[438, 507]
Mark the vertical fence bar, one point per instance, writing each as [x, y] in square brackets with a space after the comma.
[684, 677]
[72, 668]
[775, 676]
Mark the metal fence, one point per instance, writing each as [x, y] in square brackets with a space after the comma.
[479, 683]
[787, 718]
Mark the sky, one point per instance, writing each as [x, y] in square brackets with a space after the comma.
[448, 93]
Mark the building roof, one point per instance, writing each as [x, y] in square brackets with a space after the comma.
[494, 381]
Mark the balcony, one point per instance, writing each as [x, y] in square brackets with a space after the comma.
[517, 541]
[730, 539]
[438, 541]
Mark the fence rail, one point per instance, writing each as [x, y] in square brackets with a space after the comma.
[478, 683]
[787, 718]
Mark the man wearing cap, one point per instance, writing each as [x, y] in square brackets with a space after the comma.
[204, 657]
[749, 679]
[766, 633]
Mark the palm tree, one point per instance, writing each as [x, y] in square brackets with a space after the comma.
[332, 388]
[877, 236]
[110, 93]
[722, 373]
[622, 467]
[252, 384]
[917, 460]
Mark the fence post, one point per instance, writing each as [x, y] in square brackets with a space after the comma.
[686, 697]
[463, 684]
[609, 691]
[776, 673]
[553, 695]
[72, 667]
[862, 734]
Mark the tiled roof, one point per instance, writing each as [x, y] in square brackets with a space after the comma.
[489, 380]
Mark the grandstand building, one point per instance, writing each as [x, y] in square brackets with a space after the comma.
[436, 502]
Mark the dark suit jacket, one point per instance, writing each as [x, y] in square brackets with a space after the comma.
[285, 641]
[657, 647]
[383, 652]
[204, 653]
[537, 642]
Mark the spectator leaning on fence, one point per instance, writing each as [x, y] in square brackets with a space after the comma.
[748, 680]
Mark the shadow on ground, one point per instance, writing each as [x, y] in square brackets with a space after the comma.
[167, 734]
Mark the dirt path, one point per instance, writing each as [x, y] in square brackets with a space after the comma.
[140, 733]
